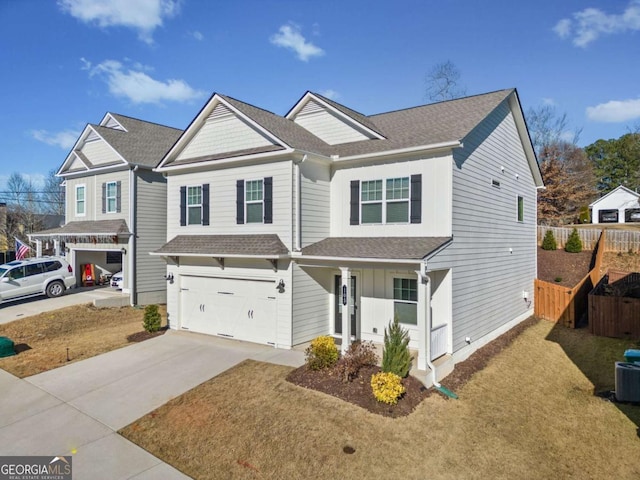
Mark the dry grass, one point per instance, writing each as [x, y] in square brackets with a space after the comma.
[629, 262]
[606, 226]
[530, 413]
[84, 329]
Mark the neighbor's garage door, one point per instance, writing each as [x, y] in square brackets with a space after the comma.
[241, 309]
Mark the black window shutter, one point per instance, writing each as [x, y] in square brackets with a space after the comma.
[118, 196]
[355, 202]
[240, 201]
[268, 200]
[104, 198]
[183, 206]
[205, 204]
[416, 198]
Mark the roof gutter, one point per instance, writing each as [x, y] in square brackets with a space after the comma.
[225, 161]
[219, 255]
[401, 151]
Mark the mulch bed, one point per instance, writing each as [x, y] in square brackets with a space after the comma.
[570, 267]
[359, 392]
[144, 335]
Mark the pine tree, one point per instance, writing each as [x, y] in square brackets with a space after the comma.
[395, 356]
[574, 244]
[152, 320]
[549, 241]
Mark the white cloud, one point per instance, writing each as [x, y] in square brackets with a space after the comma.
[589, 24]
[65, 139]
[197, 35]
[548, 101]
[141, 15]
[137, 86]
[330, 94]
[289, 36]
[615, 111]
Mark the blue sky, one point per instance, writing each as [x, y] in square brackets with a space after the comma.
[67, 62]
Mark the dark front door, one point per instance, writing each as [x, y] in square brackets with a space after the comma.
[339, 307]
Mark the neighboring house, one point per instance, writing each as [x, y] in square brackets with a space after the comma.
[620, 205]
[115, 204]
[327, 221]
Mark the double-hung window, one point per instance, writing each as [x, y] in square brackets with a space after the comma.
[254, 197]
[385, 201]
[194, 205]
[111, 197]
[80, 200]
[371, 201]
[397, 200]
[405, 300]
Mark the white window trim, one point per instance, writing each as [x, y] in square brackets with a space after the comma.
[84, 200]
[403, 276]
[253, 202]
[114, 197]
[384, 201]
[188, 205]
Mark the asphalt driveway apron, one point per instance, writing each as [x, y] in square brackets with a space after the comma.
[78, 408]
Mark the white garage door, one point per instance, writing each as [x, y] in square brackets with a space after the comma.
[241, 309]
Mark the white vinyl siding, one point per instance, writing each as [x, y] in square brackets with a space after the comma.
[311, 307]
[316, 198]
[328, 126]
[100, 153]
[221, 133]
[492, 257]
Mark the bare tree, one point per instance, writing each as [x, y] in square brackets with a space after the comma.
[443, 82]
[53, 195]
[548, 127]
[23, 207]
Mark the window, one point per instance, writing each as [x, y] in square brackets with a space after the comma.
[80, 200]
[495, 183]
[520, 209]
[632, 215]
[114, 258]
[396, 201]
[52, 266]
[608, 216]
[33, 269]
[194, 205]
[254, 200]
[405, 300]
[16, 273]
[111, 197]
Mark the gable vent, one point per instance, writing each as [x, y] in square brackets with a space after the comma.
[221, 111]
[311, 107]
[113, 123]
[92, 137]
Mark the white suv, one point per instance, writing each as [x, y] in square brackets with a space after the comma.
[50, 276]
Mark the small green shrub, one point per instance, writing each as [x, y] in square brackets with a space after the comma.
[557, 279]
[152, 320]
[322, 353]
[387, 387]
[584, 216]
[574, 244]
[395, 356]
[549, 241]
[360, 354]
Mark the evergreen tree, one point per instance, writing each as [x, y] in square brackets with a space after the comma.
[395, 356]
[549, 241]
[574, 244]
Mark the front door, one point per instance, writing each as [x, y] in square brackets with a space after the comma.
[338, 305]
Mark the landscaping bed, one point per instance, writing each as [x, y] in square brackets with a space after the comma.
[563, 268]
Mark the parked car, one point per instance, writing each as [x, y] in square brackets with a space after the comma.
[117, 280]
[50, 276]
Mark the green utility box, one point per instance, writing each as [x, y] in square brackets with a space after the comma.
[632, 356]
[6, 347]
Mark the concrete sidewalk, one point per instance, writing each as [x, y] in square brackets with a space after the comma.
[81, 406]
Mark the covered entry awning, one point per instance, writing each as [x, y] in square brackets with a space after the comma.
[90, 231]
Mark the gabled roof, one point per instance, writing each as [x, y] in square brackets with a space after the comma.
[621, 188]
[259, 246]
[140, 143]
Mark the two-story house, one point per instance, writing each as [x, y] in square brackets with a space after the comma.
[115, 204]
[327, 221]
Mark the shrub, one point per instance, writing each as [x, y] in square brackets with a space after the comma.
[152, 319]
[558, 279]
[584, 216]
[322, 353]
[360, 354]
[549, 241]
[574, 244]
[395, 356]
[387, 387]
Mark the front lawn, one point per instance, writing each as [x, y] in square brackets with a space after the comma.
[531, 413]
[52, 339]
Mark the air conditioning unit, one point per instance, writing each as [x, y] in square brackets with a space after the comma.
[627, 382]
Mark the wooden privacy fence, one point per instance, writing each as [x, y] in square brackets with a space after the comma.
[567, 306]
[614, 316]
[617, 240]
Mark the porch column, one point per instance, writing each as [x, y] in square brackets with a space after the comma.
[38, 248]
[424, 302]
[56, 247]
[347, 305]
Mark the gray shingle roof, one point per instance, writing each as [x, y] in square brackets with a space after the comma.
[389, 248]
[144, 143]
[357, 116]
[225, 245]
[89, 227]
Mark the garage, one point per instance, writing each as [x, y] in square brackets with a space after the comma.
[243, 309]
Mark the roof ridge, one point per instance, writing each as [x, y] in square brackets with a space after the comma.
[143, 121]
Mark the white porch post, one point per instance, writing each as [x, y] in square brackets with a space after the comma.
[423, 327]
[347, 305]
[56, 247]
[38, 248]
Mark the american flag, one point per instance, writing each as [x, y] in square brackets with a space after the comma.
[21, 250]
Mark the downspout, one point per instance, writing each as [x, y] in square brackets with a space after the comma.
[133, 296]
[297, 234]
[425, 278]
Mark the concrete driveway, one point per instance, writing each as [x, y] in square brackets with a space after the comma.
[79, 407]
[26, 307]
